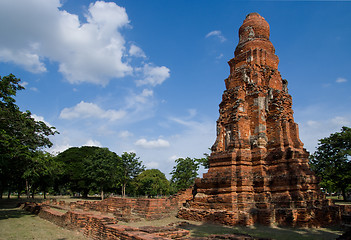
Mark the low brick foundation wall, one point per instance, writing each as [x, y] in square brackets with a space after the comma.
[103, 227]
[131, 209]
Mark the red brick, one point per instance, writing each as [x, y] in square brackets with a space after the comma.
[259, 170]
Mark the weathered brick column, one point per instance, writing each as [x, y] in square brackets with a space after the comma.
[259, 170]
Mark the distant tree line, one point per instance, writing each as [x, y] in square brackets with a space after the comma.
[93, 169]
[25, 166]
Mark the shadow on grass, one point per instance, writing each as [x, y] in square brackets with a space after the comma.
[9, 209]
[266, 232]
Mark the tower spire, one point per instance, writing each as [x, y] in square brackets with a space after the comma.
[259, 170]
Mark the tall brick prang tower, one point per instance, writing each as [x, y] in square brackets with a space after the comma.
[259, 170]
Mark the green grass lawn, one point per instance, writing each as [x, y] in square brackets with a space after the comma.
[16, 223]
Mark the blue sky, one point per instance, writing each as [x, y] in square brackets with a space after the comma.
[147, 76]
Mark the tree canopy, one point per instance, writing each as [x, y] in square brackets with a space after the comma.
[21, 136]
[90, 169]
[332, 161]
[130, 168]
[41, 172]
[74, 163]
[184, 173]
[152, 182]
[101, 170]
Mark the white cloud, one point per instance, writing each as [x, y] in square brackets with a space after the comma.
[143, 97]
[125, 134]
[220, 56]
[23, 57]
[24, 84]
[153, 75]
[192, 112]
[40, 119]
[159, 143]
[34, 89]
[92, 143]
[91, 110]
[152, 164]
[218, 34]
[314, 125]
[173, 158]
[140, 105]
[341, 121]
[341, 80]
[136, 51]
[56, 149]
[90, 51]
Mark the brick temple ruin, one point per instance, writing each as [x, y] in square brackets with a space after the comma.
[259, 171]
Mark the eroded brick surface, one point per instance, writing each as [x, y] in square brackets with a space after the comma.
[259, 170]
[130, 209]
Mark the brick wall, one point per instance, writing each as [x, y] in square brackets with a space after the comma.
[131, 209]
[101, 226]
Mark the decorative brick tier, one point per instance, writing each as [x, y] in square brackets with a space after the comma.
[259, 171]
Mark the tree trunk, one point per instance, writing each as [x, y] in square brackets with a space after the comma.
[27, 189]
[44, 194]
[9, 194]
[124, 189]
[102, 194]
[85, 194]
[343, 192]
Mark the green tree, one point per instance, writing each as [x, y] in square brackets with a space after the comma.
[20, 136]
[101, 170]
[9, 144]
[332, 161]
[42, 172]
[130, 168]
[184, 173]
[152, 182]
[74, 162]
[204, 161]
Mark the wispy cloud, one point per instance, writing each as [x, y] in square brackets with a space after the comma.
[92, 143]
[218, 34]
[341, 80]
[317, 122]
[159, 143]
[125, 134]
[41, 119]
